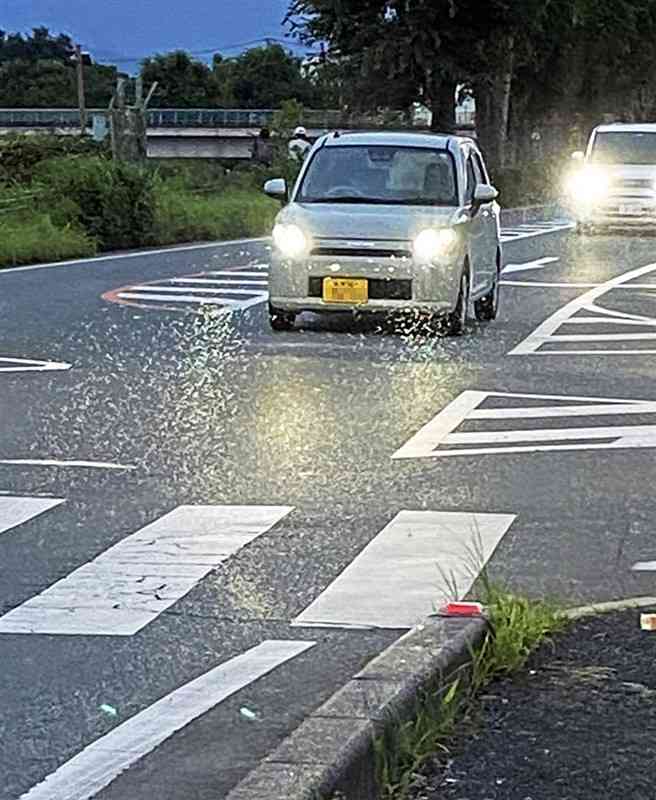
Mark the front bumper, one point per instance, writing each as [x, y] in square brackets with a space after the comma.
[395, 283]
[619, 211]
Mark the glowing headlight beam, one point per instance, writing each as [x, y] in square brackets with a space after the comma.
[432, 243]
[290, 240]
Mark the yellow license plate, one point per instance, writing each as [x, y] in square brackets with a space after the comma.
[346, 290]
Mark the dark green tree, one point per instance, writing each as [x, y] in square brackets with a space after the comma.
[184, 82]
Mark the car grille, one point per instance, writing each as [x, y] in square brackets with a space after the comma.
[359, 252]
[633, 183]
[379, 288]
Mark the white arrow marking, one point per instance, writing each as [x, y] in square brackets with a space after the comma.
[31, 365]
[541, 263]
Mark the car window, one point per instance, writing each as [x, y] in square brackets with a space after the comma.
[471, 182]
[394, 175]
[624, 147]
[479, 169]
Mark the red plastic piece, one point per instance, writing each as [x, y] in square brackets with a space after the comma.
[462, 610]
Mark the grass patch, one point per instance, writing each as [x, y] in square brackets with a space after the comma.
[184, 217]
[26, 240]
[519, 625]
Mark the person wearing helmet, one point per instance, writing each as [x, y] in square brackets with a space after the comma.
[300, 144]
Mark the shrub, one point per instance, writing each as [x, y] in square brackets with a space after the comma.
[183, 217]
[21, 154]
[26, 240]
[112, 201]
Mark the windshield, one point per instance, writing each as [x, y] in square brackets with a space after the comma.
[622, 147]
[391, 175]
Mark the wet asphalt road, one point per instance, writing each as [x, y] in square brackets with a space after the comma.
[218, 410]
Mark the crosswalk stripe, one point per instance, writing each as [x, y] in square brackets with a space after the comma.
[205, 290]
[15, 511]
[233, 273]
[412, 565]
[154, 297]
[219, 282]
[131, 584]
[102, 762]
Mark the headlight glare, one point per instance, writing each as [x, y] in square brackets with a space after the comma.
[290, 240]
[588, 184]
[432, 243]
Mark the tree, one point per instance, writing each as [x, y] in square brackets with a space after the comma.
[37, 71]
[184, 82]
[263, 77]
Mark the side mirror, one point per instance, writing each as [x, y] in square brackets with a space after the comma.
[276, 188]
[579, 156]
[484, 193]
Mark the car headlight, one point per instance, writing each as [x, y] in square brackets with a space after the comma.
[432, 243]
[587, 185]
[290, 240]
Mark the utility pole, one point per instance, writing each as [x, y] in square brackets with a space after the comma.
[80, 89]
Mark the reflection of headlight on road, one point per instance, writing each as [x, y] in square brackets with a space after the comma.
[290, 240]
[431, 243]
[587, 185]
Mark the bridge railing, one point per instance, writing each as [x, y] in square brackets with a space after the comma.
[210, 118]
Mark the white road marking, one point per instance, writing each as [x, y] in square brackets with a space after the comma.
[168, 298]
[219, 282]
[644, 566]
[530, 230]
[138, 254]
[548, 285]
[408, 570]
[234, 273]
[30, 365]
[547, 331]
[131, 584]
[210, 293]
[15, 511]
[54, 462]
[440, 431]
[541, 263]
[95, 767]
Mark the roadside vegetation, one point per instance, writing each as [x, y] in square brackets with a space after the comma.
[62, 197]
[518, 625]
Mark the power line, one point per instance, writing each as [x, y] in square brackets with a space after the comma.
[208, 51]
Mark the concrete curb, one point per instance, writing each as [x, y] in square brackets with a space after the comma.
[608, 607]
[332, 750]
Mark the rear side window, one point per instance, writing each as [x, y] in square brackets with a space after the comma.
[471, 182]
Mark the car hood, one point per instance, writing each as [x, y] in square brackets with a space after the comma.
[359, 221]
[631, 171]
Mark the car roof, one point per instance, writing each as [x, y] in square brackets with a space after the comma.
[641, 127]
[440, 141]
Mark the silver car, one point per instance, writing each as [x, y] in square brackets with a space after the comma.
[614, 183]
[385, 222]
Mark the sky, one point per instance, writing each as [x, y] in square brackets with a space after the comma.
[132, 29]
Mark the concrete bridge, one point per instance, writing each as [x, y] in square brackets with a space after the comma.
[204, 133]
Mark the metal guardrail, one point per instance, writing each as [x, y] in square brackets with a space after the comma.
[213, 118]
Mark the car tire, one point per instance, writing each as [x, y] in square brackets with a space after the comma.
[487, 307]
[281, 320]
[456, 321]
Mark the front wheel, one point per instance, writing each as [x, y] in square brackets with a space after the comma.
[281, 320]
[456, 321]
[487, 307]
